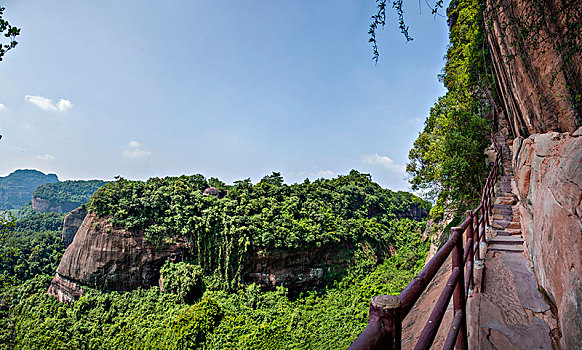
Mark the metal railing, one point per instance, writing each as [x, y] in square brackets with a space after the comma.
[384, 330]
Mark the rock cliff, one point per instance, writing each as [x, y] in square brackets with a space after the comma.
[103, 257]
[299, 269]
[548, 173]
[45, 206]
[537, 57]
[71, 225]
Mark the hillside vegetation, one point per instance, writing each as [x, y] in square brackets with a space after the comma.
[16, 189]
[74, 192]
[200, 308]
[269, 215]
[447, 160]
[205, 306]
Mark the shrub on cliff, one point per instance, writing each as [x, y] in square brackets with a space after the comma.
[183, 279]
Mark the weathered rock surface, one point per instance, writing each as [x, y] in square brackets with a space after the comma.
[548, 170]
[64, 289]
[539, 73]
[106, 258]
[71, 225]
[46, 206]
[103, 257]
[298, 269]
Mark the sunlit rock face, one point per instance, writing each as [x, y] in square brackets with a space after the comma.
[539, 73]
[45, 206]
[539, 79]
[103, 257]
[548, 173]
[107, 258]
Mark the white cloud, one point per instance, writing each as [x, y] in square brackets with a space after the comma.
[386, 162]
[2, 106]
[324, 174]
[135, 151]
[47, 104]
[63, 105]
[46, 157]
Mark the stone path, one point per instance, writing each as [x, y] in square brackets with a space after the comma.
[509, 312]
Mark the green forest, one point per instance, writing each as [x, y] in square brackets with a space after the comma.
[73, 192]
[269, 216]
[205, 303]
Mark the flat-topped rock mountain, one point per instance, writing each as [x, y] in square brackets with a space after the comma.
[16, 189]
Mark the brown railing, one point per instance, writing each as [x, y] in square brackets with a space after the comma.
[384, 328]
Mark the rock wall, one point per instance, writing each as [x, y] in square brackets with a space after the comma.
[103, 257]
[71, 225]
[537, 58]
[106, 258]
[298, 270]
[548, 174]
[45, 206]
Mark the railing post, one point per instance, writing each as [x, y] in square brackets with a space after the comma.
[483, 224]
[487, 207]
[459, 293]
[384, 330]
[470, 237]
[476, 228]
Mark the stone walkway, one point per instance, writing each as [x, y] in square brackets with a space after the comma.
[509, 312]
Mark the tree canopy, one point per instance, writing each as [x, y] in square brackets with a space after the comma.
[447, 160]
[10, 33]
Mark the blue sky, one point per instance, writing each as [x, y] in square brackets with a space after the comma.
[230, 89]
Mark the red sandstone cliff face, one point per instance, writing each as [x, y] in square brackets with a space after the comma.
[103, 257]
[548, 173]
[106, 258]
[537, 56]
[298, 269]
[71, 225]
[44, 206]
[536, 49]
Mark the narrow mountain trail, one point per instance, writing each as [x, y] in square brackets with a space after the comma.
[509, 312]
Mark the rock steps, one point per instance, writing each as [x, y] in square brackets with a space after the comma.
[509, 312]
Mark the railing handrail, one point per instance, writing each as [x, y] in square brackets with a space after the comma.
[386, 312]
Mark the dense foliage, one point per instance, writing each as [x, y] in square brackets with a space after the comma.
[39, 222]
[195, 309]
[7, 223]
[36, 253]
[8, 31]
[447, 160]
[30, 246]
[16, 189]
[72, 193]
[246, 319]
[269, 215]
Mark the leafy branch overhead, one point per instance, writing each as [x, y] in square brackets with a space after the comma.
[379, 20]
[9, 32]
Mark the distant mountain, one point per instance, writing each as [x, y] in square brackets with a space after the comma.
[16, 189]
[62, 197]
